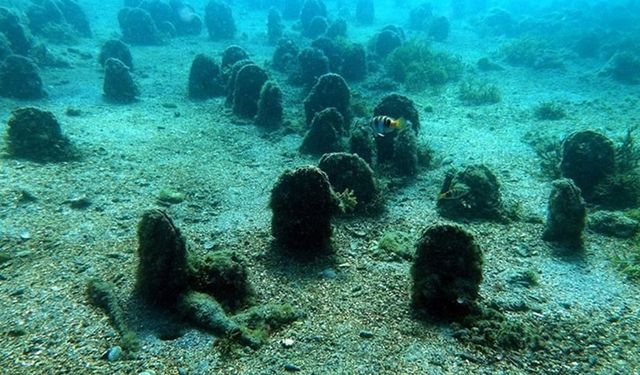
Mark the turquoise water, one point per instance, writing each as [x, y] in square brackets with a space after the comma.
[337, 187]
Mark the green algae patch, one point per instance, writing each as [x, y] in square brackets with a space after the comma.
[255, 325]
[223, 275]
[169, 196]
[269, 317]
[491, 328]
[551, 111]
[4, 258]
[479, 92]
[627, 261]
[418, 66]
[396, 246]
[259, 322]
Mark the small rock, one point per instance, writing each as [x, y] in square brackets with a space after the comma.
[329, 274]
[73, 112]
[516, 306]
[287, 343]
[26, 197]
[113, 354]
[170, 196]
[25, 235]
[523, 251]
[182, 371]
[211, 245]
[317, 338]
[78, 202]
[614, 224]
[17, 332]
[366, 334]
[290, 367]
[23, 253]
[16, 292]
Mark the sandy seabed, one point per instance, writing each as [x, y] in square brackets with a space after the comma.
[226, 168]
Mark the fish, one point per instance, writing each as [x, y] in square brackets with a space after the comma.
[381, 125]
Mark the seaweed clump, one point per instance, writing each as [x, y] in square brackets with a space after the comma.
[256, 324]
[479, 92]
[489, 327]
[621, 189]
[396, 246]
[524, 51]
[417, 66]
[550, 110]
[627, 261]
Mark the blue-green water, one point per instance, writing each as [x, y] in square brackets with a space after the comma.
[337, 187]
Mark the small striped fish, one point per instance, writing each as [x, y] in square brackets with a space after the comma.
[381, 125]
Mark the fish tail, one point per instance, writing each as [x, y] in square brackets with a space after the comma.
[401, 123]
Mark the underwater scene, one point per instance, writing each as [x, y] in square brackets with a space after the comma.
[319, 187]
